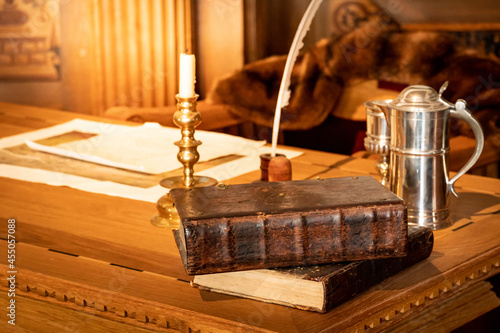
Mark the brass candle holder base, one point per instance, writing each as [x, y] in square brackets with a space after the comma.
[167, 213]
[186, 118]
[178, 182]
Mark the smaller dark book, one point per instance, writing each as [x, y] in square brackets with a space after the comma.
[317, 288]
[289, 223]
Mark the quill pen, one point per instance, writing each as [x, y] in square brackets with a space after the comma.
[284, 92]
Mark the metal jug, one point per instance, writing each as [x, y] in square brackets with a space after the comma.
[378, 137]
[418, 165]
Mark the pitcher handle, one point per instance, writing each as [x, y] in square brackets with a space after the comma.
[460, 112]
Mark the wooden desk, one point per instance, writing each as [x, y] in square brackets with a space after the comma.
[94, 263]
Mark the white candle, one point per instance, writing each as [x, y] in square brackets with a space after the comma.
[187, 75]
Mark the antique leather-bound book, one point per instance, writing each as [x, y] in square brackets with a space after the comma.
[320, 287]
[289, 223]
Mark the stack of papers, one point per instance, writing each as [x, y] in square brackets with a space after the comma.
[147, 149]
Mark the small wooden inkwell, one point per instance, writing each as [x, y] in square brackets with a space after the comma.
[275, 169]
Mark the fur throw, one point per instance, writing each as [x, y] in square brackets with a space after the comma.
[377, 50]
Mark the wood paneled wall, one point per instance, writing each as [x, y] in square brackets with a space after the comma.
[113, 52]
[270, 26]
[219, 29]
[125, 52]
[137, 47]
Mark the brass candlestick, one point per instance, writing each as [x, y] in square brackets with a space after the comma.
[187, 118]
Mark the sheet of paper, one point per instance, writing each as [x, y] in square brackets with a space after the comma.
[53, 178]
[152, 194]
[249, 150]
[148, 148]
[81, 156]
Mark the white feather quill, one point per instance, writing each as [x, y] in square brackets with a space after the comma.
[284, 92]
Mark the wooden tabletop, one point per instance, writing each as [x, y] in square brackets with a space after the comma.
[94, 263]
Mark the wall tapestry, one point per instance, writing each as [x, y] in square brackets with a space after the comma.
[29, 40]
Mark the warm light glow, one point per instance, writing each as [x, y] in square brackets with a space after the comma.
[187, 75]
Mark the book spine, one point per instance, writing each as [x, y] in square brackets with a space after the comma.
[368, 273]
[295, 238]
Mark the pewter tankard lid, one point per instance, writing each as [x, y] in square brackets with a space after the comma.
[418, 98]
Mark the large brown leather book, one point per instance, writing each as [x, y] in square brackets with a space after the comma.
[321, 287]
[289, 223]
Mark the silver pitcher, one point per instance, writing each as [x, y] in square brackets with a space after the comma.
[419, 144]
[378, 137]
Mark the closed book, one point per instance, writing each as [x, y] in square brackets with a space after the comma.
[289, 223]
[317, 288]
